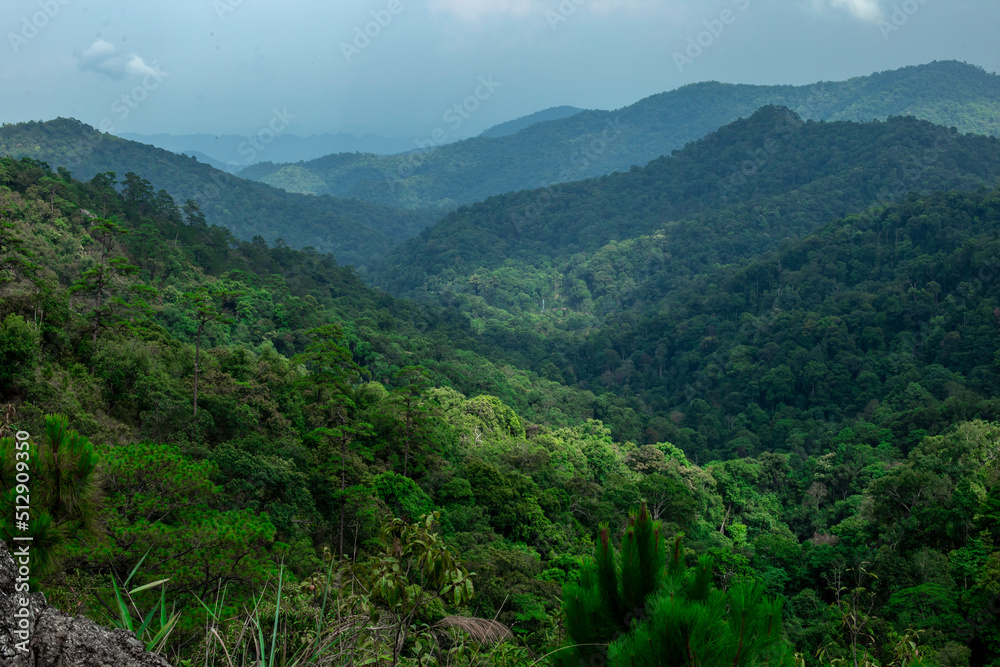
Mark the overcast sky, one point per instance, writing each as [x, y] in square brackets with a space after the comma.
[234, 66]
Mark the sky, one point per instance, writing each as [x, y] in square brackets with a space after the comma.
[410, 67]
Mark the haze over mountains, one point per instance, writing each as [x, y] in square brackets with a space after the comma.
[396, 196]
[355, 230]
[518, 124]
[593, 143]
[235, 152]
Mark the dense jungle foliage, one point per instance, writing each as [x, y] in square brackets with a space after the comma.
[773, 454]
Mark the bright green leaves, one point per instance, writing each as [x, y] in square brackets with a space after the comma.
[15, 258]
[402, 495]
[416, 556]
[104, 283]
[58, 480]
[416, 574]
[635, 609]
[153, 640]
[495, 416]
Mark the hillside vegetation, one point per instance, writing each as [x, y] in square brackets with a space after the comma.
[827, 466]
[597, 246]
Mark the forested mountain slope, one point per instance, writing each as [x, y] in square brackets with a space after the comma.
[593, 143]
[355, 231]
[888, 317]
[319, 451]
[737, 192]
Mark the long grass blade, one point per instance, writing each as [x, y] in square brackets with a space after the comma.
[161, 637]
[277, 609]
[126, 615]
[146, 587]
[145, 624]
[136, 568]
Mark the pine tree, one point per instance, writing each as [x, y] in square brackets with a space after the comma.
[636, 609]
[208, 306]
[104, 283]
[62, 487]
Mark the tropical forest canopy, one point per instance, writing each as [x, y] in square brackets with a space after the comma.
[738, 406]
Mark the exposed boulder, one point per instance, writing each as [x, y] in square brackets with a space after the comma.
[58, 640]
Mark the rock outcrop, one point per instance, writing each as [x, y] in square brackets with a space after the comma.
[58, 640]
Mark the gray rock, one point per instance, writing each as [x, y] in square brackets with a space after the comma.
[58, 640]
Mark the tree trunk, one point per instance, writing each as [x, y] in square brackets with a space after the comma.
[343, 486]
[93, 347]
[197, 358]
[406, 447]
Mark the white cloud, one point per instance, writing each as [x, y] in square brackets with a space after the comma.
[140, 67]
[103, 57]
[866, 10]
[476, 10]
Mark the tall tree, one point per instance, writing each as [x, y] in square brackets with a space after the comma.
[138, 192]
[14, 256]
[104, 282]
[209, 305]
[193, 215]
[104, 183]
[330, 365]
[332, 373]
[412, 381]
[97, 281]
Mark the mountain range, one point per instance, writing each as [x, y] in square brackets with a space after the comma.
[367, 203]
[738, 192]
[593, 143]
[780, 340]
[354, 230]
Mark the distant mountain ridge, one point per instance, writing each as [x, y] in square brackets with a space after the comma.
[284, 147]
[579, 146]
[355, 231]
[207, 159]
[518, 124]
